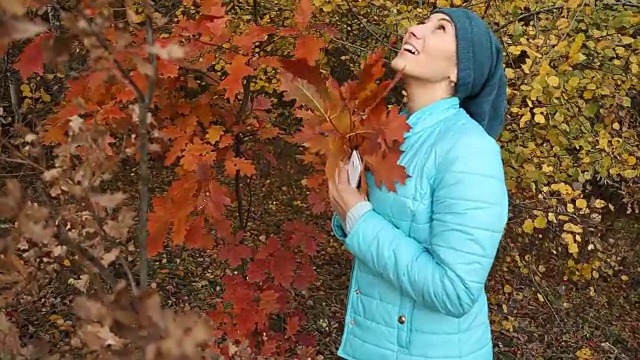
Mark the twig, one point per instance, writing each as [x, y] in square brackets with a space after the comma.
[144, 104]
[247, 214]
[13, 92]
[545, 299]
[134, 288]
[63, 238]
[105, 46]
[385, 43]
[237, 147]
[531, 13]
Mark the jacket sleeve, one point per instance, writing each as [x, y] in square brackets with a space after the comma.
[470, 210]
[338, 228]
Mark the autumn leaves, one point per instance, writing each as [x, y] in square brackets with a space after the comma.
[339, 119]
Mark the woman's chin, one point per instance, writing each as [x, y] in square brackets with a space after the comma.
[398, 63]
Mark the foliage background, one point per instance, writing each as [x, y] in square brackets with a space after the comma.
[570, 148]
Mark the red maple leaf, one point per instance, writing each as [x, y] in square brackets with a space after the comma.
[283, 266]
[269, 301]
[305, 276]
[32, 58]
[253, 34]
[308, 48]
[385, 168]
[319, 202]
[257, 270]
[304, 9]
[214, 199]
[266, 250]
[158, 225]
[235, 253]
[293, 325]
[197, 236]
[237, 71]
[342, 119]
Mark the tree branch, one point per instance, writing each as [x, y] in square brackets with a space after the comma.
[144, 105]
[531, 13]
[105, 45]
[63, 238]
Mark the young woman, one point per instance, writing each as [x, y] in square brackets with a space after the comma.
[423, 253]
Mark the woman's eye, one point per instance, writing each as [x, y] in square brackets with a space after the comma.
[440, 27]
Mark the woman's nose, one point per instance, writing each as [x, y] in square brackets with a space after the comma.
[413, 32]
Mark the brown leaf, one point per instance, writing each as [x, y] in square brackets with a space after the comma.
[109, 200]
[14, 7]
[118, 229]
[9, 341]
[11, 204]
[170, 52]
[89, 309]
[19, 29]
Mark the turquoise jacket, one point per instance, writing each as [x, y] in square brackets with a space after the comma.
[422, 254]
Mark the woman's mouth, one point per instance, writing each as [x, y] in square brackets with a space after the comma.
[410, 49]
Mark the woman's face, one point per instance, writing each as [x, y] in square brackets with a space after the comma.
[429, 51]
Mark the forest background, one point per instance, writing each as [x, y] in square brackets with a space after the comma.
[158, 198]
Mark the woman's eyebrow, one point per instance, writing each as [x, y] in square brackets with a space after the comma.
[445, 20]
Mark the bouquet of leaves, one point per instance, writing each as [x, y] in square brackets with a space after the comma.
[340, 119]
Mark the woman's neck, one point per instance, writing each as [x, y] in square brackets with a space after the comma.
[421, 93]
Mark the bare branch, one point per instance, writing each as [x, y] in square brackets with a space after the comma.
[63, 237]
[144, 104]
[105, 45]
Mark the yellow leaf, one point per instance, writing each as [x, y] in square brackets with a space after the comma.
[553, 81]
[214, 133]
[540, 297]
[66, 262]
[572, 4]
[581, 203]
[44, 96]
[572, 248]
[599, 204]
[55, 318]
[508, 288]
[26, 90]
[584, 354]
[540, 222]
[572, 227]
[631, 160]
[528, 226]
[624, 278]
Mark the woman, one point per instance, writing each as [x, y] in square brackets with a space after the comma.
[423, 253]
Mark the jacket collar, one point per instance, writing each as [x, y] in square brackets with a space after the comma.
[432, 113]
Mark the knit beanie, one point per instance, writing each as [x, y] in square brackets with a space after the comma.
[482, 82]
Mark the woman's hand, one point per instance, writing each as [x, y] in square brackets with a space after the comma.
[342, 195]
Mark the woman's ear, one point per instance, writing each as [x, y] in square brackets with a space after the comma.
[454, 76]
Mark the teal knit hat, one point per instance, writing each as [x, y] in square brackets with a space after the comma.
[482, 83]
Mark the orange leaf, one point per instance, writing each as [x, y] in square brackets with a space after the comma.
[234, 254]
[308, 48]
[197, 236]
[237, 71]
[32, 58]
[214, 133]
[158, 225]
[245, 166]
[304, 9]
[253, 34]
[293, 325]
[269, 301]
[385, 168]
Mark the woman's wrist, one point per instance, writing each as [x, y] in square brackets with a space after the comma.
[355, 214]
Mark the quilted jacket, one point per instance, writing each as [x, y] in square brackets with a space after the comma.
[422, 254]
